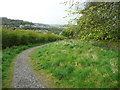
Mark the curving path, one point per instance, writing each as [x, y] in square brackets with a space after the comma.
[23, 74]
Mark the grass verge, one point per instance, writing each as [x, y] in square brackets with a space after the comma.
[8, 57]
[76, 64]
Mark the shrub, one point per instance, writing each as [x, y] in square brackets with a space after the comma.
[22, 37]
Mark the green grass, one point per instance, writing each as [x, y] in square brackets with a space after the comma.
[8, 57]
[76, 64]
[110, 44]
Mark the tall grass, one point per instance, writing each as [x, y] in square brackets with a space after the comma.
[78, 64]
[22, 37]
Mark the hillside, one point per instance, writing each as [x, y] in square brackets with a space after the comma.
[76, 64]
[15, 24]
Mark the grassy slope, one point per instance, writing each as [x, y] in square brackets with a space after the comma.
[8, 57]
[74, 63]
[109, 44]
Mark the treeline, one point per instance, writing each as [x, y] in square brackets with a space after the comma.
[12, 22]
[22, 37]
[98, 21]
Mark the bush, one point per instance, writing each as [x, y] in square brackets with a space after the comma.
[22, 37]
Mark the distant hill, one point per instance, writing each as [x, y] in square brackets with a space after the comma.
[12, 23]
[16, 22]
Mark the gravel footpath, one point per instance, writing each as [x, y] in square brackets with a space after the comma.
[23, 74]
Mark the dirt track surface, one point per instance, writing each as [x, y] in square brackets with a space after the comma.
[23, 74]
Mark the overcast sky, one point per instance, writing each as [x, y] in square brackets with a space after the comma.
[37, 11]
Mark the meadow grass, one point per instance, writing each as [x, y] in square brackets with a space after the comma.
[76, 64]
[8, 57]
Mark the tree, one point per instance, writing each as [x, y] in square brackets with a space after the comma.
[99, 20]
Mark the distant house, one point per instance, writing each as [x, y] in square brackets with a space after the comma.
[21, 26]
[41, 31]
[27, 24]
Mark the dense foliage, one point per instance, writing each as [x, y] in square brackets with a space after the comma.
[22, 37]
[99, 21]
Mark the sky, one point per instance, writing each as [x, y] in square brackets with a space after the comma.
[37, 11]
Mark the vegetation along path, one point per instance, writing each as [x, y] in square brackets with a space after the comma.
[23, 75]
